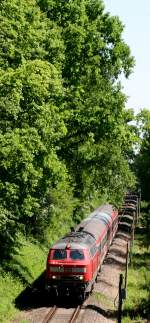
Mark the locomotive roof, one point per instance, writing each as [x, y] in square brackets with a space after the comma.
[106, 208]
[89, 230]
[104, 212]
[97, 220]
[76, 240]
[103, 217]
[95, 227]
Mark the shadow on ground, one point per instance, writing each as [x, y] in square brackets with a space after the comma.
[122, 235]
[116, 252]
[105, 313]
[35, 296]
[141, 260]
[142, 310]
[112, 260]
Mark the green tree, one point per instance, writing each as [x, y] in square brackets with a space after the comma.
[143, 157]
[32, 126]
[31, 121]
[27, 34]
[65, 135]
[95, 57]
[142, 168]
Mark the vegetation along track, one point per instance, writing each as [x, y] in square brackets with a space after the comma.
[67, 316]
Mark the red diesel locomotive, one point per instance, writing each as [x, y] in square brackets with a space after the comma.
[74, 261]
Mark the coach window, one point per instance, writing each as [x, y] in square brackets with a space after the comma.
[76, 254]
[99, 247]
[104, 241]
[59, 254]
[93, 250]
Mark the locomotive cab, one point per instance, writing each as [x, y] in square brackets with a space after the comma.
[67, 270]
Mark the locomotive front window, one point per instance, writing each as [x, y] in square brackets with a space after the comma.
[76, 254]
[59, 254]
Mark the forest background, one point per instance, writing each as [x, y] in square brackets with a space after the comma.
[67, 142]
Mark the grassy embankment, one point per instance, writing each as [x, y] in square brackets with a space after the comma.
[26, 265]
[137, 305]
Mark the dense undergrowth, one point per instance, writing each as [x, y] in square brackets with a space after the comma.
[136, 306]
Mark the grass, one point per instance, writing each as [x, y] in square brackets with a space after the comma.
[26, 265]
[104, 300]
[28, 262]
[9, 289]
[136, 307]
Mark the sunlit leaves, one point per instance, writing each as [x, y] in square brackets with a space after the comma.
[65, 135]
[143, 156]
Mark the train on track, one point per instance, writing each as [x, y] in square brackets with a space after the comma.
[74, 261]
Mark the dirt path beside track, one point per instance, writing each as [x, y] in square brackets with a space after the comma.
[103, 303]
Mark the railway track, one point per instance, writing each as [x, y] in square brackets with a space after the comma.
[50, 314]
[55, 314]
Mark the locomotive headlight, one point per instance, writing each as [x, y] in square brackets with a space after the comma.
[81, 277]
[55, 277]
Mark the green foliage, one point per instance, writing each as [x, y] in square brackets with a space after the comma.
[27, 34]
[136, 306]
[95, 55]
[142, 162]
[145, 222]
[26, 265]
[12, 288]
[32, 124]
[65, 137]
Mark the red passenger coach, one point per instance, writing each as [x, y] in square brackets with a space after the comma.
[74, 261]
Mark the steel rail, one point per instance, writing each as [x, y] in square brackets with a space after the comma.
[75, 314]
[50, 314]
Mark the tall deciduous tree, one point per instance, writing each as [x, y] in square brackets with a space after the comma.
[142, 166]
[65, 137]
[33, 179]
[143, 157]
[98, 134]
